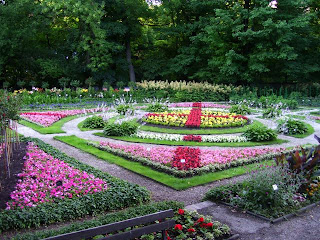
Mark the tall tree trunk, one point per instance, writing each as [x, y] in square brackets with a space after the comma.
[246, 19]
[129, 60]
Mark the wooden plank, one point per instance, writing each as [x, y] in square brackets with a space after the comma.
[157, 227]
[112, 227]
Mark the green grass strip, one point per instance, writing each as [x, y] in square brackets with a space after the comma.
[298, 117]
[306, 134]
[197, 131]
[166, 179]
[196, 144]
[54, 128]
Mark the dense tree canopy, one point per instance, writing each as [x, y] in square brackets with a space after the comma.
[114, 42]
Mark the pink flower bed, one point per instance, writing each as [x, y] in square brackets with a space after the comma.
[156, 154]
[48, 118]
[223, 156]
[45, 179]
[203, 104]
[166, 155]
[316, 118]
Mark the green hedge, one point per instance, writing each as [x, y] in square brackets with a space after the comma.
[121, 194]
[102, 220]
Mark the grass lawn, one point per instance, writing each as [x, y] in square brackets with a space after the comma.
[298, 117]
[186, 143]
[166, 179]
[306, 134]
[54, 128]
[317, 121]
[198, 131]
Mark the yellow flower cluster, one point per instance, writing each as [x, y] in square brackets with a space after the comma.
[20, 91]
[84, 90]
[168, 119]
[188, 86]
[313, 188]
[216, 122]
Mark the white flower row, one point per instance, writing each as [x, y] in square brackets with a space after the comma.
[179, 137]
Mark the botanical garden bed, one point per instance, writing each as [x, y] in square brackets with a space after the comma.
[177, 183]
[190, 143]
[190, 223]
[59, 208]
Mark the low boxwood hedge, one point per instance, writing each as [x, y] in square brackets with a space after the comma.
[121, 194]
[102, 220]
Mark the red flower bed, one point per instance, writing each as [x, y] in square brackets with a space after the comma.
[194, 118]
[197, 105]
[186, 158]
[192, 138]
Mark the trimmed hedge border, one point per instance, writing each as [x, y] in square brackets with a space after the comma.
[103, 219]
[121, 194]
[190, 173]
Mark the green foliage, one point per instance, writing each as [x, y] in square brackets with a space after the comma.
[94, 122]
[258, 133]
[125, 128]
[157, 107]
[240, 109]
[103, 220]
[124, 109]
[9, 108]
[291, 126]
[257, 194]
[120, 194]
[271, 112]
[305, 162]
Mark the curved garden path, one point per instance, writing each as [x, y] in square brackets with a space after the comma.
[247, 226]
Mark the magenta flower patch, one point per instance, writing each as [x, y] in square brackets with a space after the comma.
[45, 179]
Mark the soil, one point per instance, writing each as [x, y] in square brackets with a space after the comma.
[8, 183]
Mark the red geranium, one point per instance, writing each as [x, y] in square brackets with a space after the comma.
[178, 227]
[191, 230]
[181, 211]
[186, 158]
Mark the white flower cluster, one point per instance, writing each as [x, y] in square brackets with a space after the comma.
[179, 137]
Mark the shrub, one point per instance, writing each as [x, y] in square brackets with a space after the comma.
[271, 192]
[240, 109]
[94, 122]
[124, 109]
[258, 133]
[291, 126]
[120, 129]
[157, 107]
[271, 112]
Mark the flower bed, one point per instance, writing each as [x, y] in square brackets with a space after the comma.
[204, 105]
[192, 138]
[205, 160]
[119, 194]
[46, 179]
[48, 118]
[195, 138]
[190, 225]
[196, 118]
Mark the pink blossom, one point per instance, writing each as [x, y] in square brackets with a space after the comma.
[45, 179]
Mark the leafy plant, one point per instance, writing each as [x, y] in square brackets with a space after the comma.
[302, 161]
[271, 192]
[240, 109]
[124, 109]
[258, 133]
[157, 107]
[94, 122]
[272, 112]
[291, 126]
[120, 129]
